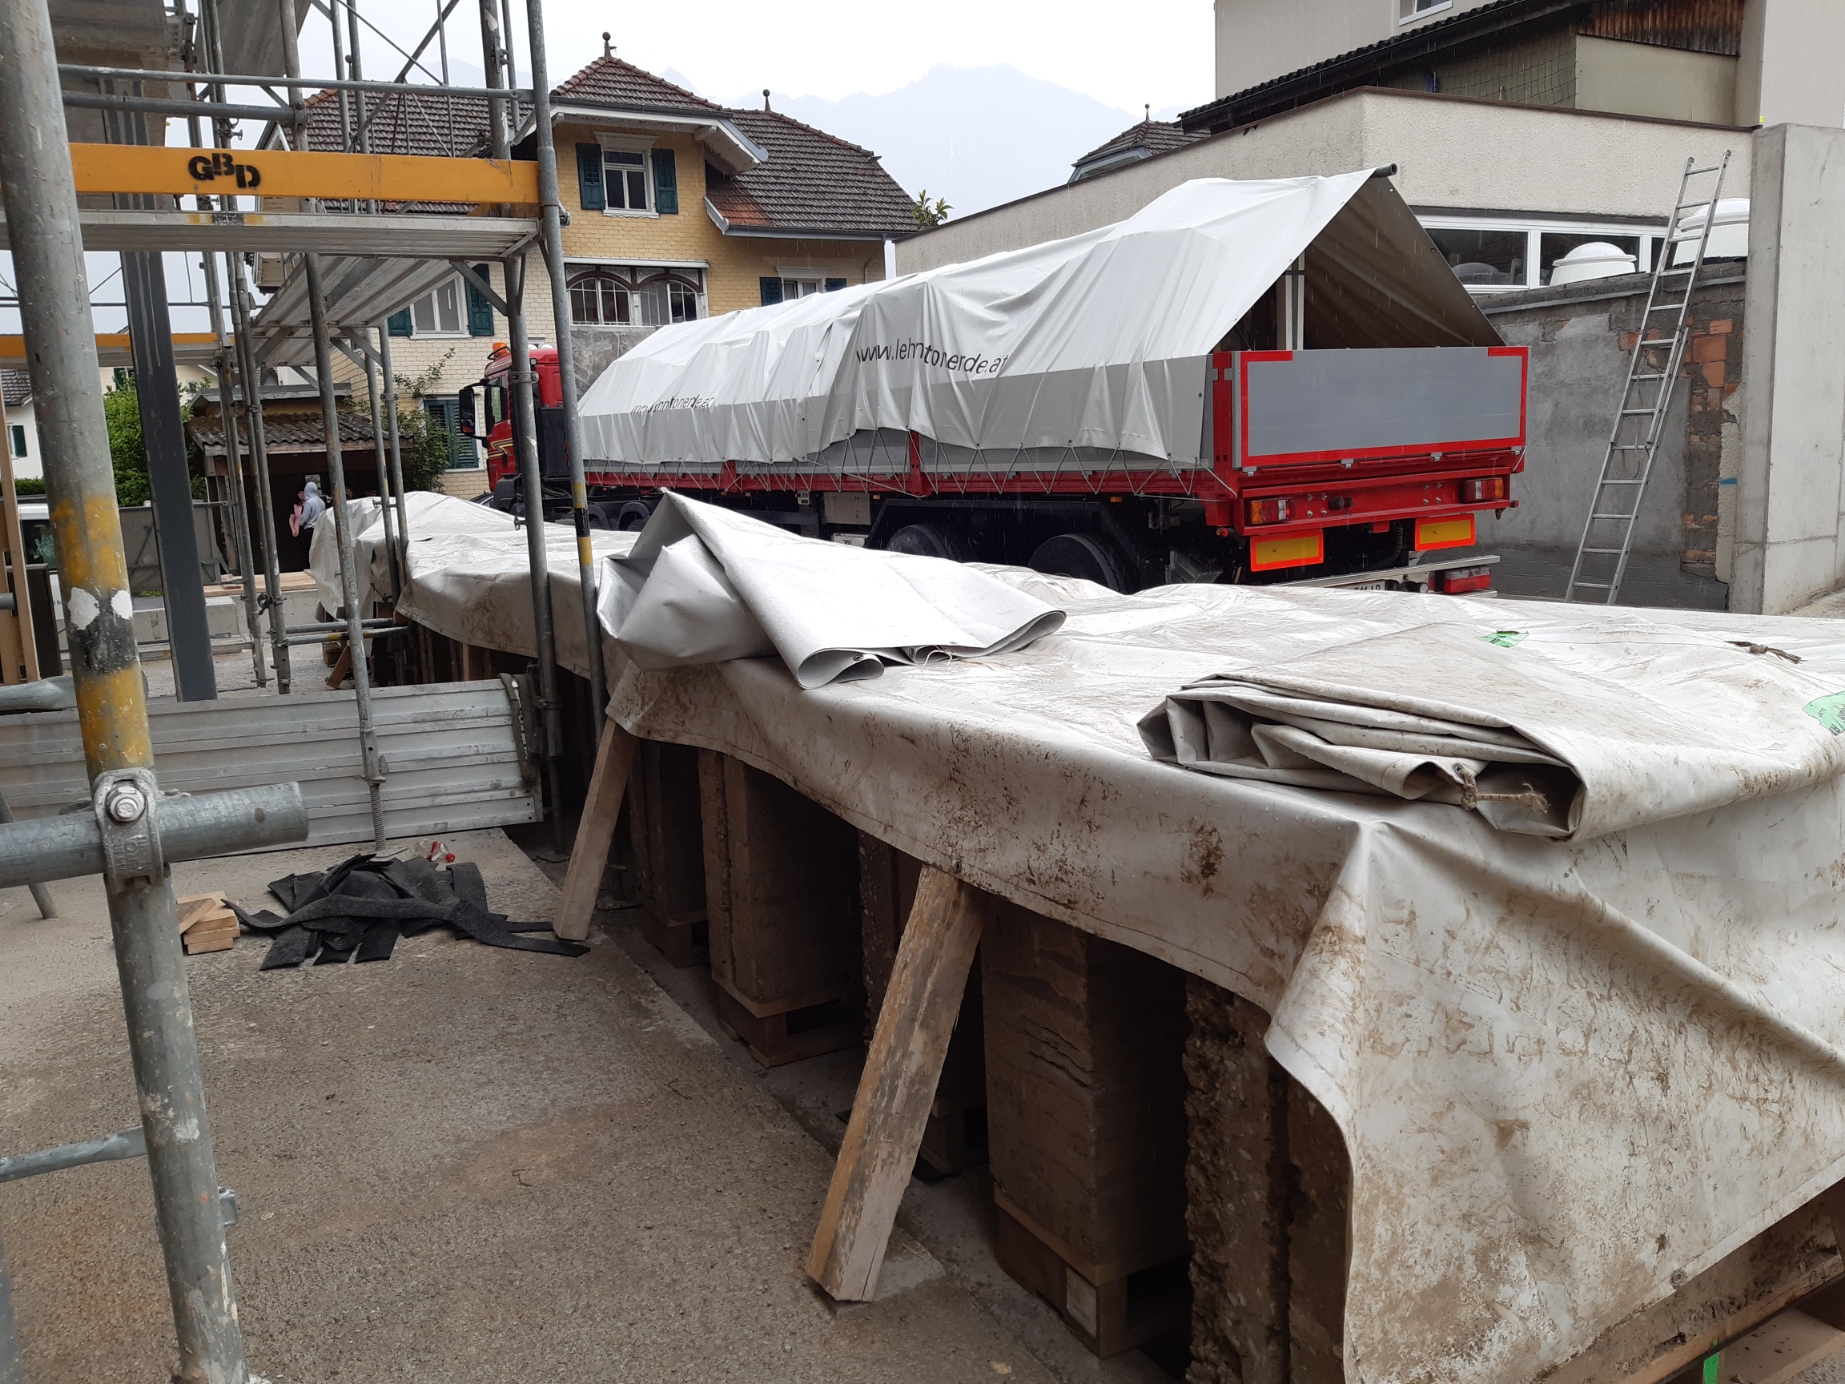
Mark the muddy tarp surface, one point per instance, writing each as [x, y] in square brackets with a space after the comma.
[1569, 1072]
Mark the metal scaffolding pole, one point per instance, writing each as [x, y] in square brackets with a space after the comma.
[525, 446]
[342, 533]
[233, 455]
[384, 476]
[251, 377]
[47, 246]
[552, 226]
[397, 456]
[491, 49]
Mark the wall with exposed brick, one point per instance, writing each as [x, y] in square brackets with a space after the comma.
[1581, 337]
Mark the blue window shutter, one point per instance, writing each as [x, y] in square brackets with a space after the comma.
[398, 323]
[589, 177]
[834, 285]
[480, 310]
[665, 183]
[771, 291]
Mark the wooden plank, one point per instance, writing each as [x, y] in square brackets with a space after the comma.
[595, 832]
[897, 1087]
[1779, 1349]
[19, 623]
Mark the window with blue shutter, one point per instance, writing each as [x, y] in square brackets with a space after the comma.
[398, 323]
[771, 291]
[589, 177]
[480, 310]
[665, 183]
[834, 285]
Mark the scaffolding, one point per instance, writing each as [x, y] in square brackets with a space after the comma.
[357, 254]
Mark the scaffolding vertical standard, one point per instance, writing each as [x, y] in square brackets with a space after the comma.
[46, 239]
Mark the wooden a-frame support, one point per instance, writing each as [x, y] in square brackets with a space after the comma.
[898, 1086]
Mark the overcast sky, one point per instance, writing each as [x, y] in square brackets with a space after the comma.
[1156, 52]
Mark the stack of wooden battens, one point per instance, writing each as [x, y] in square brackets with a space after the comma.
[1153, 1170]
[206, 924]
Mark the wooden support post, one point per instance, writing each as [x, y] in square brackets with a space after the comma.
[898, 1086]
[614, 760]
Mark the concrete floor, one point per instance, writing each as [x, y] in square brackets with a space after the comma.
[463, 1164]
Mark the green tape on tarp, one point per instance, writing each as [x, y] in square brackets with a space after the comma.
[1505, 639]
[1829, 711]
[1713, 1366]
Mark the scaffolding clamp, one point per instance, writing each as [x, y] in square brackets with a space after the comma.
[124, 800]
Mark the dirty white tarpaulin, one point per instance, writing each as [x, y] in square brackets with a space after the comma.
[704, 584]
[1555, 736]
[1095, 341]
[1569, 1073]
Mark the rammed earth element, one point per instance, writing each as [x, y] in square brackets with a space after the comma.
[932, 355]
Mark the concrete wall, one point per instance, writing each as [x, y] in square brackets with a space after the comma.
[1580, 339]
[1790, 512]
[1792, 69]
[1258, 40]
[1451, 152]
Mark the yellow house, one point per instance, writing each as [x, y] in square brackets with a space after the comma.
[676, 208]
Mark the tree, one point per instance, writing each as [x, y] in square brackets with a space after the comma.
[127, 449]
[930, 214]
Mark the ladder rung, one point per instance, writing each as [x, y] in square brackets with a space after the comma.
[1614, 516]
[1598, 585]
[1638, 412]
[1665, 307]
[1659, 376]
[1623, 482]
[1604, 552]
[1714, 168]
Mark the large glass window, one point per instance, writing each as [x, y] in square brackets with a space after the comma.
[1586, 255]
[601, 300]
[1484, 258]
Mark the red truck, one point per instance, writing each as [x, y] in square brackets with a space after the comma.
[1323, 464]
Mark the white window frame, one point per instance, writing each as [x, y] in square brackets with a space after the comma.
[626, 144]
[1534, 229]
[626, 270]
[461, 312]
[1409, 11]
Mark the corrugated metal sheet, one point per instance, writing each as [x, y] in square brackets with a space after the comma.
[1702, 26]
[451, 751]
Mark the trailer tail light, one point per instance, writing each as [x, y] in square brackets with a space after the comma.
[1269, 512]
[1460, 580]
[1482, 489]
[1290, 550]
[1444, 533]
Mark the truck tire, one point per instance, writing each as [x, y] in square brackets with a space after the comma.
[633, 517]
[928, 540]
[596, 517]
[1084, 555]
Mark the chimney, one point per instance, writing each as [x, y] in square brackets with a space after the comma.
[765, 98]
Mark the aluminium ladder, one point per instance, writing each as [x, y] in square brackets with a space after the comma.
[1652, 375]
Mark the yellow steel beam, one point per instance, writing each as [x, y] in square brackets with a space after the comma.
[102, 168]
[13, 348]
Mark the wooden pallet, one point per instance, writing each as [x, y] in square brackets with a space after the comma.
[788, 1035]
[781, 890]
[683, 940]
[1107, 1310]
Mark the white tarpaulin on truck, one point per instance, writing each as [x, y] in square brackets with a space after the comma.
[1570, 1073]
[1097, 341]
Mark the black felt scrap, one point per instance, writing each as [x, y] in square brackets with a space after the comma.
[359, 908]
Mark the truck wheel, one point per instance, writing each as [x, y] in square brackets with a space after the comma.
[633, 517]
[928, 540]
[596, 517]
[1086, 556]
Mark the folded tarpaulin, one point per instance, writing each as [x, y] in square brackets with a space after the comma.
[705, 584]
[1545, 738]
[1095, 341]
